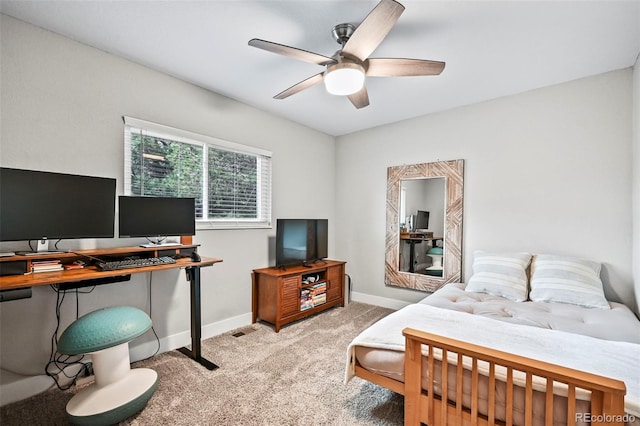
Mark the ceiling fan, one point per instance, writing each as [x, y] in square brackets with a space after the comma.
[345, 71]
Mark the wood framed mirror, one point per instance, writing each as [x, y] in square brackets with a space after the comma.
[444, 232]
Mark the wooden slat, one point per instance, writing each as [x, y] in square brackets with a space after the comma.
[430, 361]
[445, 387]
[607, 395]
[492, 393]
[571, 405]
[597, 402]
[459, 384]
[474, 390]
[509, 402]
[548, 404]
[528, 401]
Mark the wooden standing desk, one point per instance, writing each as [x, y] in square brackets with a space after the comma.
[413, 238]
[91, 275]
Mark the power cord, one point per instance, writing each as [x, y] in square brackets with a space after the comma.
[150, 287]
[59, 364]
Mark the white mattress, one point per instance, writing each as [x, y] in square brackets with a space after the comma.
[617, 323]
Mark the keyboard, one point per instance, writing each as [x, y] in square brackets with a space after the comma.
[134, 263]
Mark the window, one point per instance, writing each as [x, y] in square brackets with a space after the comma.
[230, 182]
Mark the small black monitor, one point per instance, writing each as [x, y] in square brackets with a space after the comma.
[37, 205]
[422, 221]
[156, 217]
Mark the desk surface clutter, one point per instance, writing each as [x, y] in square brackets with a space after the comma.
[24, 277]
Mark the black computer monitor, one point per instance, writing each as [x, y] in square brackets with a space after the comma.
[156, 217]
[37, 205]
[422, 221]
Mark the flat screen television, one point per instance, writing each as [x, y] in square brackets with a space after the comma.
[301, 241]
[156, 218]
[43, 206]
[422, 221]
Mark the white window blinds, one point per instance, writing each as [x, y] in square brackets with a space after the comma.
[230, 182]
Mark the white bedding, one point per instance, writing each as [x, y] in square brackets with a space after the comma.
[617, 323]
[613, 359]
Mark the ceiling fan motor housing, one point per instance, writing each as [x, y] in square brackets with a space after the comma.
[342, 32]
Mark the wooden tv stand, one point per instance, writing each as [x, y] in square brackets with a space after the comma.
[278, 293]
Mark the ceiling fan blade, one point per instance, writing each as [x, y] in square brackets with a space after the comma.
[360, 99]
[398, 67]
[292, 52]
[373, 29]
[298, 87]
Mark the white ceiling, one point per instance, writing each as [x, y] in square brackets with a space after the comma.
[491, 48]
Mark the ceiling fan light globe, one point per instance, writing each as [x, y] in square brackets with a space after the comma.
[344, 79]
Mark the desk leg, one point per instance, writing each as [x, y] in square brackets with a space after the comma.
[193, 275]
[412, 254]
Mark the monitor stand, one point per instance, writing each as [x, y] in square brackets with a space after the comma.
[41, 248]
[152, 245]
[159, 242]
[35, 253]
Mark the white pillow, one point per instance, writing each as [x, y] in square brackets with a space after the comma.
[500, 274]
[566, 279]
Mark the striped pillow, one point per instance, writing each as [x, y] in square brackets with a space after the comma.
[500, 274]
[569, 280]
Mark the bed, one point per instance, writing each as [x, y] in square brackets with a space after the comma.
[478, 332]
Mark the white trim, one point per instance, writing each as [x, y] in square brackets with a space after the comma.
[160, 128]
[378, 301]
[263, 171]
[175, 341]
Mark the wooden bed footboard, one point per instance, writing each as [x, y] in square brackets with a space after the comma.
[427, 406]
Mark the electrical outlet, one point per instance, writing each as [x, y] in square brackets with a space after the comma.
[84, 381]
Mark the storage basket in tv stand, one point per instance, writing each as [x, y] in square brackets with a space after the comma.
[283, 295]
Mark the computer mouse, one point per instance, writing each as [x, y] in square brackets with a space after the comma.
[195, 257]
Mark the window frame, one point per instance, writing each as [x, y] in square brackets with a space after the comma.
[263, 177]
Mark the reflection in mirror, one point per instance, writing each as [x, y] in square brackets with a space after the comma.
[422, 225]
[421, 253]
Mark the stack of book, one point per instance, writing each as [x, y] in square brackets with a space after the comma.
[319, 293]
[306, 301]
[45, 266]
[78, 264]
[313, 296]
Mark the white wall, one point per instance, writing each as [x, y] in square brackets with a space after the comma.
[635, 255]
[62, 107]
[547, 171]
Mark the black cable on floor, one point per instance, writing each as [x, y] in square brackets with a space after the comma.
[59, 364]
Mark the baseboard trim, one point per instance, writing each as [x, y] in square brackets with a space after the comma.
[144, 350]
[378, 300]
[14, 387]
[175, 341]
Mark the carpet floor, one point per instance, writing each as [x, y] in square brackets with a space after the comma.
[294, 377]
